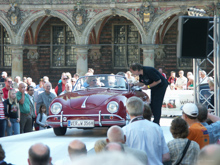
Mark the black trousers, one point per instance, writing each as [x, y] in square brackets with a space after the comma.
[157, 96]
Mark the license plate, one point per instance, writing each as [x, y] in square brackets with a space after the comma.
[80, 123]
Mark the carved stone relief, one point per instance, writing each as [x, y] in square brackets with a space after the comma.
[148, 14]
[32, 55]
[159, 53]
[14, 17]
[94, 54]
[79, 18]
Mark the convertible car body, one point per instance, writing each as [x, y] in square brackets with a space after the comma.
[96, 101]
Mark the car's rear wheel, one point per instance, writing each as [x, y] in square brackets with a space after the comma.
[59, 131]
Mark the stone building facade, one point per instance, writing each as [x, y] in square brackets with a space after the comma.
[48, 37]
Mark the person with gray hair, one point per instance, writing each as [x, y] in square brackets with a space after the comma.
[30, 82]
[114, 146]
[204, 78]
[25, 113]
[45, 97]
[116, 134]
[145, 135]
[17, 81]
[76, 149]
[39, 154]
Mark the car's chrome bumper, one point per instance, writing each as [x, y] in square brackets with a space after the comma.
[100, 122]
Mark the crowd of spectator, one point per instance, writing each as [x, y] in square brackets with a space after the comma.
[184, 83]
[195, 141]
[24, 106]
[23, 100]
[142, 142]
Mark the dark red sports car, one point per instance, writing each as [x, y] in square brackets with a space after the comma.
[96, 101]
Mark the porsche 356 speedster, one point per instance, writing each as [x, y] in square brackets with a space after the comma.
[96, 101]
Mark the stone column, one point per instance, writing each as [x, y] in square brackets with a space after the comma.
[17, 61]
[82, 60]
[148, 55]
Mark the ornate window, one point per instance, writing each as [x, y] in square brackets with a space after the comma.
[125, 48]
[62, 49]
[4, 47]
[185, 63]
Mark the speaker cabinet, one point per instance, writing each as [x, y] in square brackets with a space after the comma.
[193, 37]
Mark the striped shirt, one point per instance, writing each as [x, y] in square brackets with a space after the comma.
[2, 113]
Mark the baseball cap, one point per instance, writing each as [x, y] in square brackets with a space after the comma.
[190, 109]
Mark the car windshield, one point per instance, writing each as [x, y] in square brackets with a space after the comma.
[101, 81]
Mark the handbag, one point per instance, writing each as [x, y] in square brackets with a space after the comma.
[184, 151]
[36, 126]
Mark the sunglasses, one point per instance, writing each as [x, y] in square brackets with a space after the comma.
[1, 93]
[65, 78]
[73, 81]
[9, 81]
[94, 80]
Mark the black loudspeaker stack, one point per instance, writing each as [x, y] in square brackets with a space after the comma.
[193, 40]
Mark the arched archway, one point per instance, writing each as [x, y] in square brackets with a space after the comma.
[8, 29]
[91, 24]
[29, 20]
[157, 23]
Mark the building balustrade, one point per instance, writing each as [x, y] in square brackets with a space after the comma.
[57, 2]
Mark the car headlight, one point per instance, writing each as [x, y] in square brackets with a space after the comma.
[56, 108]
[112, 107]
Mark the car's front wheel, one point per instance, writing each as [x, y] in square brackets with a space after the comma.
[59, 131]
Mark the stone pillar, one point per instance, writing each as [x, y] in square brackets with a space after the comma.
[17, 62]
[148, 55]
[82, 60]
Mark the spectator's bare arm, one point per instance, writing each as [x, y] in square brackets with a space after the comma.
[213, 118]
[166, 157]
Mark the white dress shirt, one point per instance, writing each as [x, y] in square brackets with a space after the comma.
[147, 136]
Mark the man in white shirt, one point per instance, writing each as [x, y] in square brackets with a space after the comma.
[145, 135]
[181, 81]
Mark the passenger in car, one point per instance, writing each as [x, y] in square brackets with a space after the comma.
[92, 81]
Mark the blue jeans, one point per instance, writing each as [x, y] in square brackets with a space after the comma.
[15, 126]
[2, 127]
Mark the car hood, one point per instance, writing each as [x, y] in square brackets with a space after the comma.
[90, 100]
